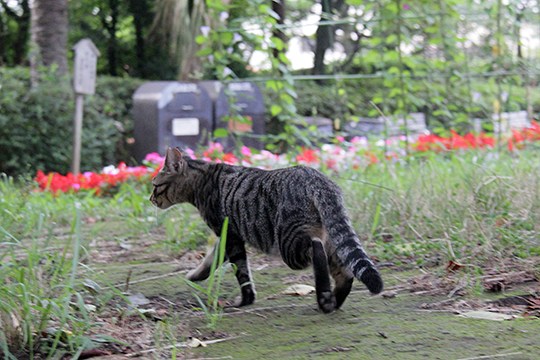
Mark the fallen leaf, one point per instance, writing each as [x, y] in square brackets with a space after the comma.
[91, 220]
[138, 299]
[486, 315]
[453, 266]
[91, 286]
[194, 342]
[90, 307]
[299, 290]
[126, 246]
[389, 294]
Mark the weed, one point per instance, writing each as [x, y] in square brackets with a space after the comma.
[41, 309]
[211, 307]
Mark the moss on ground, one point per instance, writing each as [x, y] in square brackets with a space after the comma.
[279, 326]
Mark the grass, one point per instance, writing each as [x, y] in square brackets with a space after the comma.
[475, 208]
[213, 289]
[471, 208]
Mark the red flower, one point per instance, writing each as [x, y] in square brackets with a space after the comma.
[308, 156]
[56, 182]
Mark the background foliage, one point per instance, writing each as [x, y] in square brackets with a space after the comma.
[36, 124]
[455, 61]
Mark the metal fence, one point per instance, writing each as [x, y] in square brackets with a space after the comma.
[467, 65]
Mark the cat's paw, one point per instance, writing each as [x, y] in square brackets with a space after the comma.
[240, 301]
[326, 301]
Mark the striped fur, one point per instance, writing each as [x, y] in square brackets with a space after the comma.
[297, 211]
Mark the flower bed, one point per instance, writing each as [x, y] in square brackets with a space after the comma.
[356, 153]
[109, 177]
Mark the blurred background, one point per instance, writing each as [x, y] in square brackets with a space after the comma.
[428, 66]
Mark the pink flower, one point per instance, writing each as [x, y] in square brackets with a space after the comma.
[245, 151]
[154, 158]
[190, 153]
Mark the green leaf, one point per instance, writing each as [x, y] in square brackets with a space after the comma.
[394, 70]
[275, 109]
[283, 58]
[204, 52]
[286, 98]
[278, 44]
[200, 39]
[226, 38]
[220, 133]
[272, 85]
[378, 99]
[391, 39]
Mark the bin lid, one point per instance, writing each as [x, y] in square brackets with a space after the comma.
[163, 92]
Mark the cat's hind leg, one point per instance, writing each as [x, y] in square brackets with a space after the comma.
[325, 298]
[343, 280]
[236, 252]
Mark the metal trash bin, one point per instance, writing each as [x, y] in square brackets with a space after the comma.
[247, 101]
[170, 113]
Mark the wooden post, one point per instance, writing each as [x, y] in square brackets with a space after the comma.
[77, 134]
[84, 82]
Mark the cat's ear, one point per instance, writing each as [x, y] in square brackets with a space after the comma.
[173, 160]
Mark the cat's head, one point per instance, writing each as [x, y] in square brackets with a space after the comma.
[171, 184]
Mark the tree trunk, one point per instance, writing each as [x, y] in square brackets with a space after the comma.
[138, 9]
[324, 39]
[49, 30]
[110, 24]
[519, 18]
[278, 6]
[3, 32]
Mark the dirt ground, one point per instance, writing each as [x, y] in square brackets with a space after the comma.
[423, 313]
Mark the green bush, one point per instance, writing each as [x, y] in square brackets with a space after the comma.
[36, 123]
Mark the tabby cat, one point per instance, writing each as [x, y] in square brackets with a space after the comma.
[297, 211]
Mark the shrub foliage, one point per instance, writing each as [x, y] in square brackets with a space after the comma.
[36, 123]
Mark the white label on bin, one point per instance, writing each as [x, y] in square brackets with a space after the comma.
[186, 88]
[185, 127]
[241, 86]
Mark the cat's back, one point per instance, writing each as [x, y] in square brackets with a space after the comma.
[299, 177]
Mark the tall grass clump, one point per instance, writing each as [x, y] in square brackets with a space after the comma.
[208, 296]
[468, 207]
[41, 309]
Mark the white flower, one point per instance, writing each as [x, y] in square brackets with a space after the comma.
[205, 30]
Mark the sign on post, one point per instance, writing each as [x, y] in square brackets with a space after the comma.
[84, 83]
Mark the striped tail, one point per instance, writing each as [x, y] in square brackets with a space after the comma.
[348, 248]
